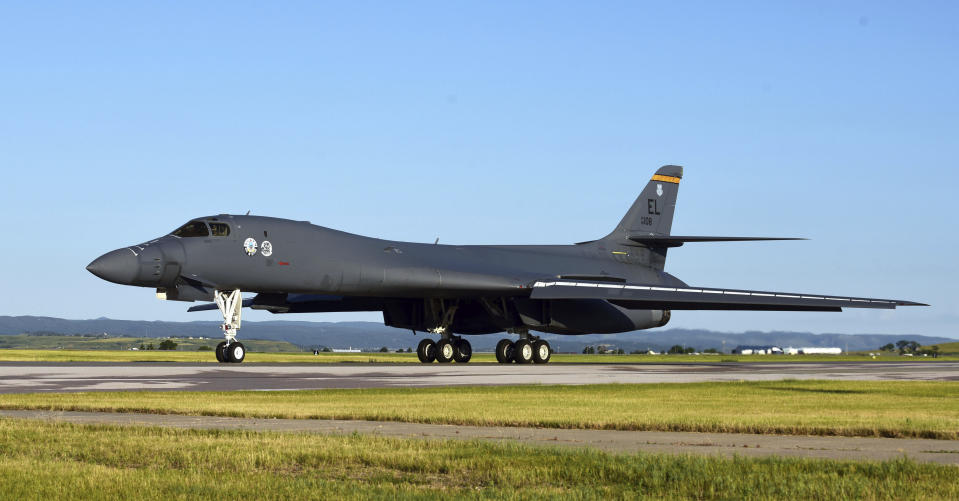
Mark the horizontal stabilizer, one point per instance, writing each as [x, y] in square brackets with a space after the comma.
[677, 241]
[636, 296]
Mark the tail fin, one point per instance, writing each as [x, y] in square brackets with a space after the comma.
[652, 212]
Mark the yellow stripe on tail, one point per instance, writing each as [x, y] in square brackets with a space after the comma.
[665, 179]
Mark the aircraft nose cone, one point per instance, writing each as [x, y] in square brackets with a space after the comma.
[119, 266]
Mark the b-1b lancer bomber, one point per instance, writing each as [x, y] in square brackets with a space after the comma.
[613, 284]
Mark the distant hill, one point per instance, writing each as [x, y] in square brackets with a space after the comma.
[102, 342]
[373, 335]
[946, 348]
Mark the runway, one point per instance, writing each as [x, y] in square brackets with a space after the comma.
[29, 377]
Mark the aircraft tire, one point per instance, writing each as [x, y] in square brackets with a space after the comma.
[463, 352]
[221, 353]
[426, 351]
[236, 352]
[541, 352]
[445, 351]
[523, 351]
[504, 351]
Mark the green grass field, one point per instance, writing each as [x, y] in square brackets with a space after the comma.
[40, 460]
[260, 356]
[922, 409]
[119, 343]
[199, 356]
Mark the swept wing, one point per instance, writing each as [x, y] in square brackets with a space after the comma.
[640, 296]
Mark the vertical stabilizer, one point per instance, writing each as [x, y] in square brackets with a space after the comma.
[652, 212]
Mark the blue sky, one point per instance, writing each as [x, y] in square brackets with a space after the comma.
[488, 122]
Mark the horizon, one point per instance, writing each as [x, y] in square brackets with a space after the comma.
[380, 324]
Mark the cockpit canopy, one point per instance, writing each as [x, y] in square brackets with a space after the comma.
[199, 228]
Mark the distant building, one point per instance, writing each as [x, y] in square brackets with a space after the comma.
[348, 350]
[815, 350]
[757, 350]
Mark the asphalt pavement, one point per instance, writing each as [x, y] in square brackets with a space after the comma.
[29, 377]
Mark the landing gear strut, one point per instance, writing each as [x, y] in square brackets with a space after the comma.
[527, 349]
[230, 304]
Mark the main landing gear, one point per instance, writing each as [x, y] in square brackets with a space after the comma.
[444, 351]
[230, 304]
[449, 347]
[527, 349]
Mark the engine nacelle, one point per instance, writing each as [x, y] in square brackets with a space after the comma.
[586, 316]
[667, 314]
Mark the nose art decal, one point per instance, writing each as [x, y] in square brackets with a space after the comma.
[266, 248]
[249, 245]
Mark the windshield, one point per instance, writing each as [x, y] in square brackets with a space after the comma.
[192, 229]
[220, 229]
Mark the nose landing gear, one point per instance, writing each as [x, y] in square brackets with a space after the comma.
[230, 304]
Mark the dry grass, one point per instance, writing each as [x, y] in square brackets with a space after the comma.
[40, 460]
[923, 409]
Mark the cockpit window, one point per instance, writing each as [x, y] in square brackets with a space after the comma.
[219, 229]
[192, 229]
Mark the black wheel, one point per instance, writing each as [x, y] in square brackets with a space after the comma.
[445, 351]
[463, 352]
[541, 352]
[236, 352]
[504, 351]
[523, 351]
[221, 352]
[426, 351]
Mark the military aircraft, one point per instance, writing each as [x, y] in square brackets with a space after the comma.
[613, 284]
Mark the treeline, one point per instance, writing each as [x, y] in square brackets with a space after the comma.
[673, 350]
[166, 344]
[906, 347]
